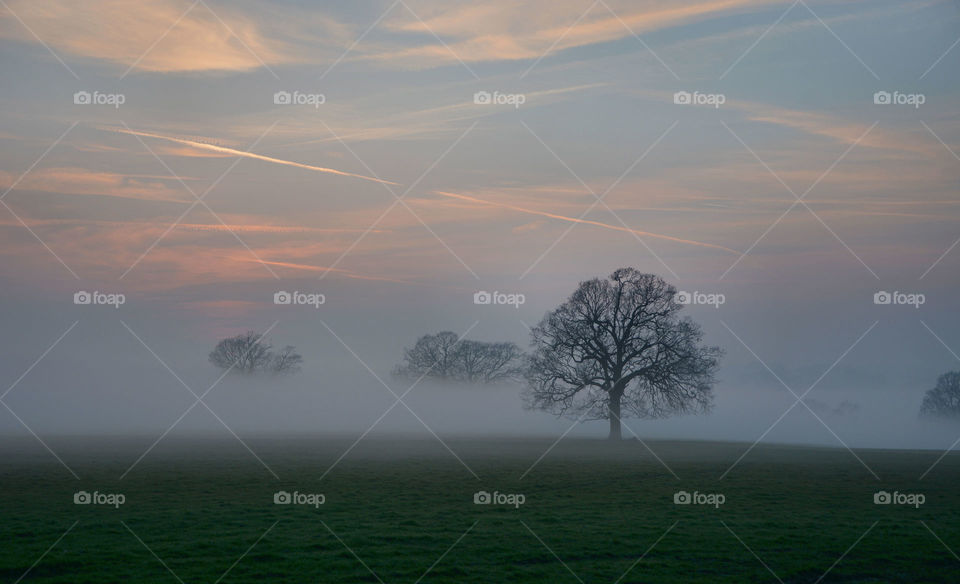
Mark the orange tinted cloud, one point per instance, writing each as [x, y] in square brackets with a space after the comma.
[154, 35]
[80, 181]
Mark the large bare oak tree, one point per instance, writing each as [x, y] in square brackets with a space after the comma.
[617, 347]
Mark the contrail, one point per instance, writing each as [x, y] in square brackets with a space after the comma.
[235, 152]
[587, 221]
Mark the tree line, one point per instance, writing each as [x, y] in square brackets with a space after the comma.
[618, 346]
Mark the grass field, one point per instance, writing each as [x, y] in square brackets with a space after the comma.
[403, 511]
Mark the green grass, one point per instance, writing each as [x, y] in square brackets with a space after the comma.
[400, 505]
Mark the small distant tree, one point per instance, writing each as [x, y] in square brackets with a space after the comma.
[286, 361]
[943, 400]
[443, 356]
[250, 353]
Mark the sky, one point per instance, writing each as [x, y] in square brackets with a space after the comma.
[792, 158]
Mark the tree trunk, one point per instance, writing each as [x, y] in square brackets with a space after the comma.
[614, 415]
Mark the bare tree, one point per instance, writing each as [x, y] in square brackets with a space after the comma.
[617, 347]
[286, 361]
[445, 357]
[944, 399]
[481, 362]
[249, 353]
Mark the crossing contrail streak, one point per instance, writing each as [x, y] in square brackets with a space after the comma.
[586, 221]
[235, 152]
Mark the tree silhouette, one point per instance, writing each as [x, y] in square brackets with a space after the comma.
[619, 347]
[250, 353]
[944, 399]
[444, 356]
